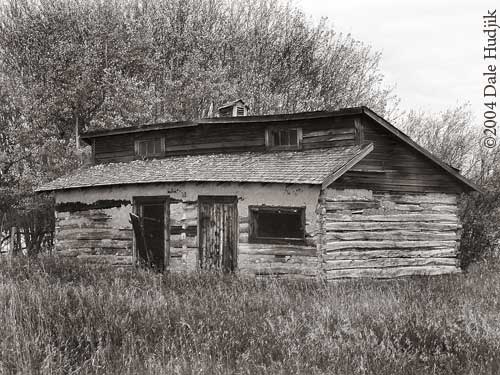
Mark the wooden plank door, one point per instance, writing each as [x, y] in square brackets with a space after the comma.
[218, 232]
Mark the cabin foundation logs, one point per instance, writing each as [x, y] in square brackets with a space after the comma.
[382, 235]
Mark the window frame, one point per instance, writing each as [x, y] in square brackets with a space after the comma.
[269, 139]
[137, 147]
[253, 213]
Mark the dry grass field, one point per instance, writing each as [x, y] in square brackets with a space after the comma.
[61, 317]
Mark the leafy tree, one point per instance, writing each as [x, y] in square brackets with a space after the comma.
[71, 65]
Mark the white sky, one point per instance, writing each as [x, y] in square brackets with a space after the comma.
[431, 49]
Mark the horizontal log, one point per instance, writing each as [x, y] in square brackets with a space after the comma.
[387, 205]
[243, 227]
[413, 226]
[278, 269]
[338, 245]
[385, 273]
[271, 249]
[285, 259]
[191, 230]
[97, 214]
[432, 198]
[350, 205]
[104, 243]
[449, 208]
[187, 222]
[178, 251]
[107, 259]
[387, 262]
[110, 234]
[70, 252]
[394, 235]
[394, 217]
[243, 238]
[373, 254]
[83, 224]
[188, 241]
[336, 195]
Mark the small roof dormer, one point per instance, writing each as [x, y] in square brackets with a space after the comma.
[233, 109]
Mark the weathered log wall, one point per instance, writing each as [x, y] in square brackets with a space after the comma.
[279, 260]
[367, 234]
[97, 234]
[183, 235]
[349, 233]
[89, 228]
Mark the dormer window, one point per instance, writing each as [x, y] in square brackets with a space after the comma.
[146, 148]
[284, 138]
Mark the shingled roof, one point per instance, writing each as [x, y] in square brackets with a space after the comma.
[318, 166]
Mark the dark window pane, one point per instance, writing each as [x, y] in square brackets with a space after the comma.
[284, 138]
[150, 147]
[293, 137]
[273, 224]
[142, 148]
[156, 146]
[275, 138]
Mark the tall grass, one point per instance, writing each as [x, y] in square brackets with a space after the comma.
[61, 317]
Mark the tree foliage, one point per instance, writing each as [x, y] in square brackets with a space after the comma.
[71, 65]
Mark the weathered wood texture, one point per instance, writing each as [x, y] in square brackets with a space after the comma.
[218, 243]
[183, 235]
[93, 235]
[211, 138]
[388, 234]
[277, 260]
[395, 166]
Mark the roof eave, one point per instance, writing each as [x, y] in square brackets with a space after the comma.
[87, 136]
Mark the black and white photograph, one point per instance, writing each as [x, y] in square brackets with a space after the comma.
[249, 187]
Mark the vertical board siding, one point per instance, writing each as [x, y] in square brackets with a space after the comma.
[92, 235]
[218, 235]
[385, 235]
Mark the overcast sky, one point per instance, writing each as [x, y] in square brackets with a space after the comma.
[432, 49]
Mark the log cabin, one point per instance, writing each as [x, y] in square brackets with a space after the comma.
[323, 195]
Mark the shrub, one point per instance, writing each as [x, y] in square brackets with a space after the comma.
[480, 217]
